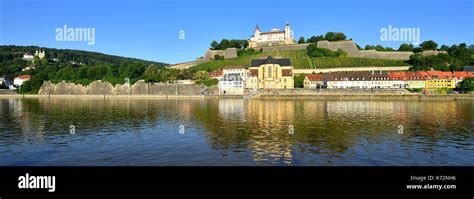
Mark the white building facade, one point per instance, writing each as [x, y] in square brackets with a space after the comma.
[274, 37]
[233, 81]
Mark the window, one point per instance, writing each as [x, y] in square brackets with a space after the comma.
[269, 71]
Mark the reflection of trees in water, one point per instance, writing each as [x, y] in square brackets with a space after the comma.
[20, 121]
[91, 115]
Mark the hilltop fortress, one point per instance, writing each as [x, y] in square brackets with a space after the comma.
[272, 38]
[283, 40]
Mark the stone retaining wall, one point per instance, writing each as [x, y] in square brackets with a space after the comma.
[106, 88]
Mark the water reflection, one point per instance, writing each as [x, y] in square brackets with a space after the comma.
[235, 132]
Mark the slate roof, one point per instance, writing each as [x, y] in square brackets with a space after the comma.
[270, 60]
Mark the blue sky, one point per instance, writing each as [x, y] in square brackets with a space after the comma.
[150, 29]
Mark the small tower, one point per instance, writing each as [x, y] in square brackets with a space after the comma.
[287, 31]
[257, 32]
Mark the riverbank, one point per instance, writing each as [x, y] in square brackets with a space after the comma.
[371, 97]
[325, 96]
[103, 96]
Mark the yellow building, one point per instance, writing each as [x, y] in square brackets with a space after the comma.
[439, 79]
[270, 73]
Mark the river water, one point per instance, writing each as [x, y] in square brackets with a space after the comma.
[233, 132]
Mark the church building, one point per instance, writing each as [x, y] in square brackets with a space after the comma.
[270, 73]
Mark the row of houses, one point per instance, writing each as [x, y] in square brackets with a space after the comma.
[277, 73]
[386, 80]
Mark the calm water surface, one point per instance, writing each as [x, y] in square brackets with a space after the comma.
[235, 132]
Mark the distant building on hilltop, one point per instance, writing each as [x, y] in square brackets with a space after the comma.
[274, 37]
[40, 53]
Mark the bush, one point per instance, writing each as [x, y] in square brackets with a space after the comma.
[314, 51]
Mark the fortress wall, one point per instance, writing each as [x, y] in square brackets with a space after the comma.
[140, 88]
[162, 89]
[227, 53]
[106, 88]
[122, 89]
[374, 68]
[353, 51]
[97, 88]
[282, 48]
[347, 46]
[189, 90]
[213, 90]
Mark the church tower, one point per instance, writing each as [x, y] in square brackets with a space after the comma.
[287, 31]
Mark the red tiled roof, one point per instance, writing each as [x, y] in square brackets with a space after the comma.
[315, 77]
[463, 74]
[405, 75]
[440, 74]
[23, 77]
[215, 73]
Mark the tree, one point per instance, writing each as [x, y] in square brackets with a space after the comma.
[467, 85]
[299, 80]
[444, 48]
[301, 40]
[379, 48]
[417, 50]
[406, 47]
[339, 36]
[203, 78]
[329, 36]
[214, 45]
[151, 73]
[369, 47]
[335, 36]
[315, 39]
[429, 45]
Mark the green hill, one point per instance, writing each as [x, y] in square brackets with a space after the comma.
[301, 60]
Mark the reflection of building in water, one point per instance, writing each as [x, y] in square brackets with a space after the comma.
[368, 107]
[32, 125]
[271, 120]
[232, 109]
[272, 148]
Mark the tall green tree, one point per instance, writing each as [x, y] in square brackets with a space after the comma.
[429, 45]
[301, 40]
